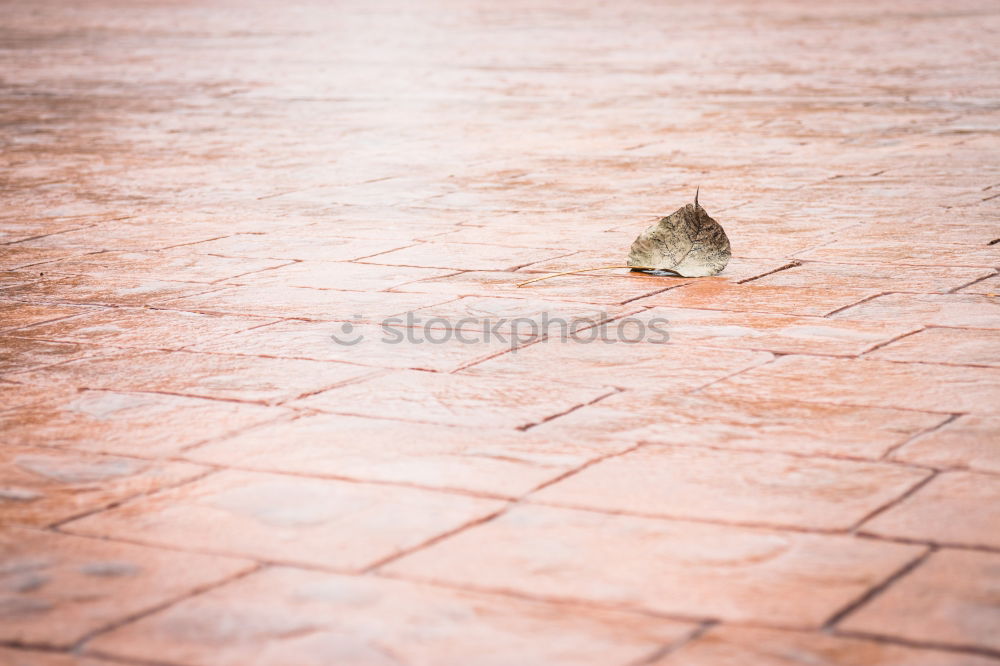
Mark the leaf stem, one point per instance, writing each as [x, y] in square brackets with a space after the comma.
[584, 270]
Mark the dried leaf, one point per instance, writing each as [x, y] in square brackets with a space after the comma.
[687, 242]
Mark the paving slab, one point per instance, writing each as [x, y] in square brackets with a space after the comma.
[60, 588]
[957, 346]
[733, 487]
[967, 442]
[290, 519]
[919, 386]
[487, 461]
[309, 618]
[227, 377]
[730, 646]
[127, 423]
[43, 486]
[929, 514]
[951, 600]
[676, 568]
[744, 422]
[430, 397]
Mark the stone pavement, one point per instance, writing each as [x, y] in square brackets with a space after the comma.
[800, 466]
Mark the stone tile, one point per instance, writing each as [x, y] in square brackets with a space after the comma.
[662, 566]
[716, 294]
[104, 290]
[143, 328]
[343, 276]
[933, 388]
[16, 257]
[952, 599]
[928, 229]
[400, 191]
[961, 508]
[760, 242]
[311, 618]
[226, 377]
[546, 198]
[179, 264]
[300, 247]
[594, 362]
[19, 354]
[511, 231]
[429, 397]
[968, 442]
[597, 288]
[42, 486]
[874, 276]
[381, 222]
[989, 287]
[59, 588]
[956, 310]
[465, 256]
[743, 422]
[18, 226]
[497, 462]
[14, 396]
[302, 303]
[772, 332]
[734, 487]
[904, 253]
[290, 519]
[955, 346]
[18, 657]
[645, 205]
[13, 278]
[730, 646]
[137, 234]
[16, 315]
[384, 346]
[122, 423]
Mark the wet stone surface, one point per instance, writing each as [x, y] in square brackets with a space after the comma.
[59, 588]
[951, 600]
[488, 461]
[282, 518]
[283, 616]
[41, 486]
[672, 567]
[270, 392]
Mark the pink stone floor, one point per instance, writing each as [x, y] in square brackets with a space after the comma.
[198, 195]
